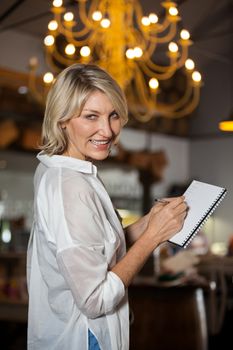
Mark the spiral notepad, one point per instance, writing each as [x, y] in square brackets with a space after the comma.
[202, 200]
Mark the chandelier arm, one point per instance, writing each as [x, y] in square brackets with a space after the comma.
[185, 111]
[154, 38]
[85, 18]
[158, 27]
[155, 67]
[138, 11]
[180, 103]
[161, 27]
[63, 60]
[32, 86]
[143, 118]
[50, 62]
[170, 35]
[71, 39]
[65, 31]
[183, 56]
[134, 37]
[160, 76]
[143, 92]
[139, 33]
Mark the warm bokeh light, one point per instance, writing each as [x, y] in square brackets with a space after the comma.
[226, 125]
[145, 21]
[173, 47]
[97, 16]
[49, 40]
[153, 18]
[173, 11]
[105, 23]
[48, 78]
[85, 51]
[196, 76]
[130, 54]
[138, 52]
[184, 34]
[189, 64]
[53, 25]
[70, 49]
[68, 16]
[57, 3]
[153, 83]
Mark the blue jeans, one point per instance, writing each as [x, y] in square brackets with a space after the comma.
[92, 342]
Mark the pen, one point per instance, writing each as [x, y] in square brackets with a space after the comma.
[161, 200]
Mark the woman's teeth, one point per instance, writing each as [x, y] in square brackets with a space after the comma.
[100, 142]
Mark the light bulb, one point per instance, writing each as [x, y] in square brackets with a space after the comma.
[196, 76]
[85, 51]
[49, 40]
[57, 3]
[153, 83]
[153, 18]
[105, 23]
[130, 54]
[97, 16]
[70, 49]
[145, 21]
[173, 11]
[184, 34]
[173, 47]
[68, 16]
[48, 78]
[137, 52]
[53, 25]
[189, 64]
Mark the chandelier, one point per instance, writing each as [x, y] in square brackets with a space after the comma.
[117, 36]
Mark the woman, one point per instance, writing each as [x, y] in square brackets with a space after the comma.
[78, 268]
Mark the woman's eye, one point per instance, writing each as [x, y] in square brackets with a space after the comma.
[115, 116]
[90, 116]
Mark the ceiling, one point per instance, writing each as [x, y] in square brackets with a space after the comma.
[210, 23]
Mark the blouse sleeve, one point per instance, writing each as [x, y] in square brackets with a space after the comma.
[83, 263]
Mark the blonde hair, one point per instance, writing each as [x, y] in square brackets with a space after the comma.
[67, 97]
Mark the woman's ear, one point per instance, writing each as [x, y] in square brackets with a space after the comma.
[63, 125]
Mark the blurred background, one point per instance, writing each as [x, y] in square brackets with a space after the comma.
[174, 61]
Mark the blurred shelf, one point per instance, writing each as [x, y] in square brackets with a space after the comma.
[12, 255]
[13, 310]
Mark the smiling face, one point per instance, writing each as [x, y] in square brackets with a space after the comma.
[92, 133]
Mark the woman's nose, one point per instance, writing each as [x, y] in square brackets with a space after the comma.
[106, 128]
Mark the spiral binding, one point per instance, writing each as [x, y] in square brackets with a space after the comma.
[204, 218]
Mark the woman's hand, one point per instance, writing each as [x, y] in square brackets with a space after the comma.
[163, 221]
[166, 219]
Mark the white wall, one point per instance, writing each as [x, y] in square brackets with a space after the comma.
[211, 161]
[176, 150]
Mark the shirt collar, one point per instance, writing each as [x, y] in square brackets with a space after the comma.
[82, 166]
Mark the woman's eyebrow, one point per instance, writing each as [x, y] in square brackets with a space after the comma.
[90, 110]
[113, 112]
[96, 111]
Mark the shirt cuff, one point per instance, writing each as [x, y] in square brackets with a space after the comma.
[114, 291]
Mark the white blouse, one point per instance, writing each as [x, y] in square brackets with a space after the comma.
[75, 240]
